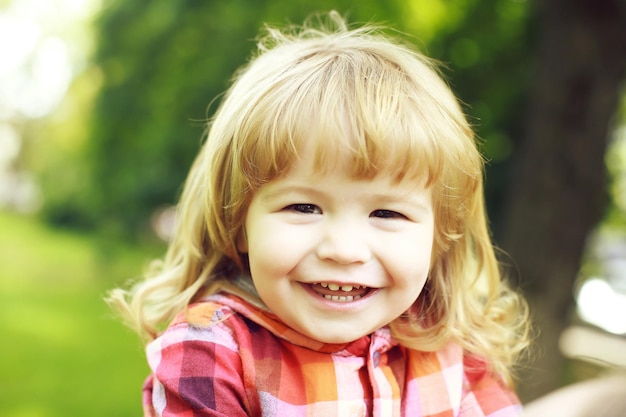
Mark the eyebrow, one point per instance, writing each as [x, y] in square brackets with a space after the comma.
[414, 201]
[379, 197]
[290, 189]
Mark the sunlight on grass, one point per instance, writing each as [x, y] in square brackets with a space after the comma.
[63, 353]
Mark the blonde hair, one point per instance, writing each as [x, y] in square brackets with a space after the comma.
[402, 120]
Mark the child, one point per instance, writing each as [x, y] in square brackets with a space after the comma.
[331, 256]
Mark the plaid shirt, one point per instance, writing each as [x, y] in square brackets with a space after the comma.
[239, 360]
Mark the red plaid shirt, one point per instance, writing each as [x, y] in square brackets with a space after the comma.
[239, 360]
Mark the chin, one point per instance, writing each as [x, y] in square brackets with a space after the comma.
[339, 338]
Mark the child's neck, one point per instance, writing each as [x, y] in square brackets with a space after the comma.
[243, 287]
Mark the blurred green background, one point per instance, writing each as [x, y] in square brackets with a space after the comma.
[103, 105]
[62, 352]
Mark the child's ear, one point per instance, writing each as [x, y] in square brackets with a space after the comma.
[242, 241]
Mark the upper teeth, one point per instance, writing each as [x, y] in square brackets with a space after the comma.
[336, 287]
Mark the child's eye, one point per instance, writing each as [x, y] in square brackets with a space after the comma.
[304, 208]
[387, 214]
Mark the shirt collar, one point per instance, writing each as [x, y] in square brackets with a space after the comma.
[247, 303]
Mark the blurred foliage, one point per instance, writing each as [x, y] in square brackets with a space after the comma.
[159, 65]
[616, 166]
[488, 53]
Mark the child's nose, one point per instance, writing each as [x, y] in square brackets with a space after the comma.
[344, 243]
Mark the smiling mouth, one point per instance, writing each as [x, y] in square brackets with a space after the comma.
[340, 293]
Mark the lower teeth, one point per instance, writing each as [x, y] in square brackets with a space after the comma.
[342, 298]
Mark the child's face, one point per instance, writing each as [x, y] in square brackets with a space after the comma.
[337, 258]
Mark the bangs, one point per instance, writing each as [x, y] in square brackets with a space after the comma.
[364, 117]
[372, 111]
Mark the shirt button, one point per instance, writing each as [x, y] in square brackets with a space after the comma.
[376, 358]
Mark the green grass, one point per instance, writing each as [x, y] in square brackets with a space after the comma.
[62, 353]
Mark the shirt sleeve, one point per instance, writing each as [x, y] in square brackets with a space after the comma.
[197, 372]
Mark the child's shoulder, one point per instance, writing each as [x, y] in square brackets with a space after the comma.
[208, 321]
[205, 313]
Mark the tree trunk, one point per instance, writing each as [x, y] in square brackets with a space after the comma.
[557, 193]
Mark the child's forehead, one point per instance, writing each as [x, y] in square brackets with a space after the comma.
[304, 176]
